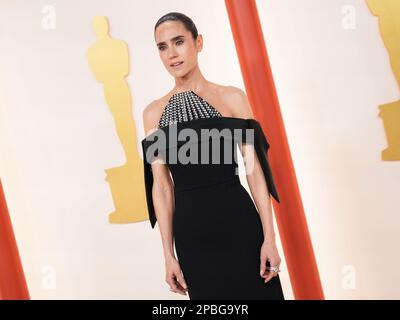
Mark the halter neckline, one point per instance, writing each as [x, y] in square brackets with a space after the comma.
[185, 92]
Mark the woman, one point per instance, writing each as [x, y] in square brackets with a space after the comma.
[225, 246]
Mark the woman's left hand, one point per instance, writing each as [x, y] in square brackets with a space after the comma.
[269, 252]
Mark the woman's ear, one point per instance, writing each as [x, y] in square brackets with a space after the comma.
[199, 42]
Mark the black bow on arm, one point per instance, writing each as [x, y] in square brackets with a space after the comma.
[148, 182]
[260, 143]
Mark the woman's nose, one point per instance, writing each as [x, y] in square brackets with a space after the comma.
[172, 53]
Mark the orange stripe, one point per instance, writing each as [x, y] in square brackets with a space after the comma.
[260, 88]
[12, 279]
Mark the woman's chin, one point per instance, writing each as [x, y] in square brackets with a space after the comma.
[178, 73]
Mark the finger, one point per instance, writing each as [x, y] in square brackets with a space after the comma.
[181, 290]
[276, 273]
[265, 274]
[172, 284]
[275, 264]
[273, 274]
[269, 277]
[178, 287]
[263, 262]
[177, 291]
[182, 281]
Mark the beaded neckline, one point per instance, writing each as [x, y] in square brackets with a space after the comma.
[186, 106]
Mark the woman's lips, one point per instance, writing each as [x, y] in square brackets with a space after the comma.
[178, 65]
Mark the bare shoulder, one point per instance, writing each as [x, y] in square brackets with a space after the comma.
[153, 111]
[151, 114]
[237, 99]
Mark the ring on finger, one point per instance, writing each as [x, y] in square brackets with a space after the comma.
[274, 269]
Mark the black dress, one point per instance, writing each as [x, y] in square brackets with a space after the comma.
[216, 227]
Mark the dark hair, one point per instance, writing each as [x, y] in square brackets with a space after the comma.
[177, 16]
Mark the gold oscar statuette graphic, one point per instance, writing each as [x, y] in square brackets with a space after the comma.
[388, 13]
[109, 61]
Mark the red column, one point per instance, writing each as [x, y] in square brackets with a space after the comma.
[12, 279]
[260, 89]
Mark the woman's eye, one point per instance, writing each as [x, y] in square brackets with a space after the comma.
[179, 42]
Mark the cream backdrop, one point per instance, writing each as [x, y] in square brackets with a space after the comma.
[57, 137]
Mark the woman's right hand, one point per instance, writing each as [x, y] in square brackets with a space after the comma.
[174, 276]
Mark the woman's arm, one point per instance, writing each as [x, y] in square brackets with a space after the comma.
[162, 191]
[164, 208]
[259, 190]
[163, 201]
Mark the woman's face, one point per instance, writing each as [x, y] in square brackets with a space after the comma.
[176, 44]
